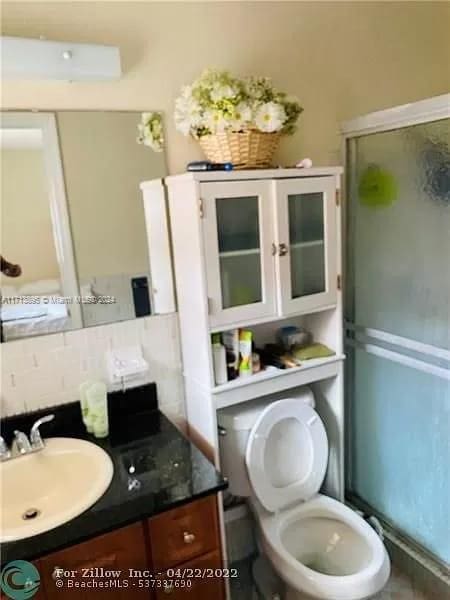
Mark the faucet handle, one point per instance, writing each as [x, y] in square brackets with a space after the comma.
[35, 434]
[4, 452]
[21, 442]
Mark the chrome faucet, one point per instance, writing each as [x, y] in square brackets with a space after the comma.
[21, 445]
[4, 452]
[37, 443]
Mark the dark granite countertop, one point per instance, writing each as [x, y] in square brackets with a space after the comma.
[169, 469]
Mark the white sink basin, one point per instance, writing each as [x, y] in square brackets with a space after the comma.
[45, 489]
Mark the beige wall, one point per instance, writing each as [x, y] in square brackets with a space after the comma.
[342, 59]
[26, 227]
[103, 166]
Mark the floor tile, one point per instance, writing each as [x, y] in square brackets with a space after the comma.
[399, 586]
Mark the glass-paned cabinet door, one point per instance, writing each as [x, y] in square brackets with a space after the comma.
[307, 246]
[238, 237]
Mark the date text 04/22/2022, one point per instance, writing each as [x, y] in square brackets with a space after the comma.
[175, 573]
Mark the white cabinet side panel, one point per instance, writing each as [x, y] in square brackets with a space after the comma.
[329, 397]
[156, 222]
[201, 415]
[187, 244]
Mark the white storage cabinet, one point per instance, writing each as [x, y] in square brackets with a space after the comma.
[258, 249]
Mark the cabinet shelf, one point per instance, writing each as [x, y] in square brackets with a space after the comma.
[308, 244]
[247, 252]
[273, 380]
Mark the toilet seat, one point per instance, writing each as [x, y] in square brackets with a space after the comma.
[368, 566]
[286, 454]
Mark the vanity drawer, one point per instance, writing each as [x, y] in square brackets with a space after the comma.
[200, 588]
[183, 533]
[116, 551]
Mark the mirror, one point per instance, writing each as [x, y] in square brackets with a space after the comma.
[74, 249]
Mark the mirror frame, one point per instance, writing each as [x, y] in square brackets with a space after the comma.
[46, 122]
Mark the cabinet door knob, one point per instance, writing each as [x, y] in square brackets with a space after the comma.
[57, 572]
[168, 589]
[189, 538]
[283, 249]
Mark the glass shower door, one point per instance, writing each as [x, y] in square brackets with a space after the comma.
[397, 311]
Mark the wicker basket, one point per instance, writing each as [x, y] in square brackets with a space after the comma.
[246, 150]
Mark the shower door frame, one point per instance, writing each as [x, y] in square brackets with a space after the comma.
[398, 117]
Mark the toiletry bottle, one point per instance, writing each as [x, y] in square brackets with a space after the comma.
[87, 420]
[256, 362]
[230, 340]
[219, 360]
[98, 408]
[245, 349]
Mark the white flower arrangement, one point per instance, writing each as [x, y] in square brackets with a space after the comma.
[150, 131]
[218, 102]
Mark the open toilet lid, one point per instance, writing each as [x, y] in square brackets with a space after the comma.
[287, 454]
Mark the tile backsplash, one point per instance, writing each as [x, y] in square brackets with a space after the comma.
[44, 371]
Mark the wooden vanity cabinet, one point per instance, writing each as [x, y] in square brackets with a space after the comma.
[188, 543]
[182, 538]
[116, 551]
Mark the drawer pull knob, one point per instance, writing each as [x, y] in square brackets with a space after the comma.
[189, 538]
[168, 589]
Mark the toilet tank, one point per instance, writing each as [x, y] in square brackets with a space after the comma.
[235, 424]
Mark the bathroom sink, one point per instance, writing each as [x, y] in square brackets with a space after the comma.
[42, 490]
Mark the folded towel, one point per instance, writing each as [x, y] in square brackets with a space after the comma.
[312, 351]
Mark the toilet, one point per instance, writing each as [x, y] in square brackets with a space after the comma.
[276, 454]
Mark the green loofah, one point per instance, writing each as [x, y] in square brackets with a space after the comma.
[377, 187]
